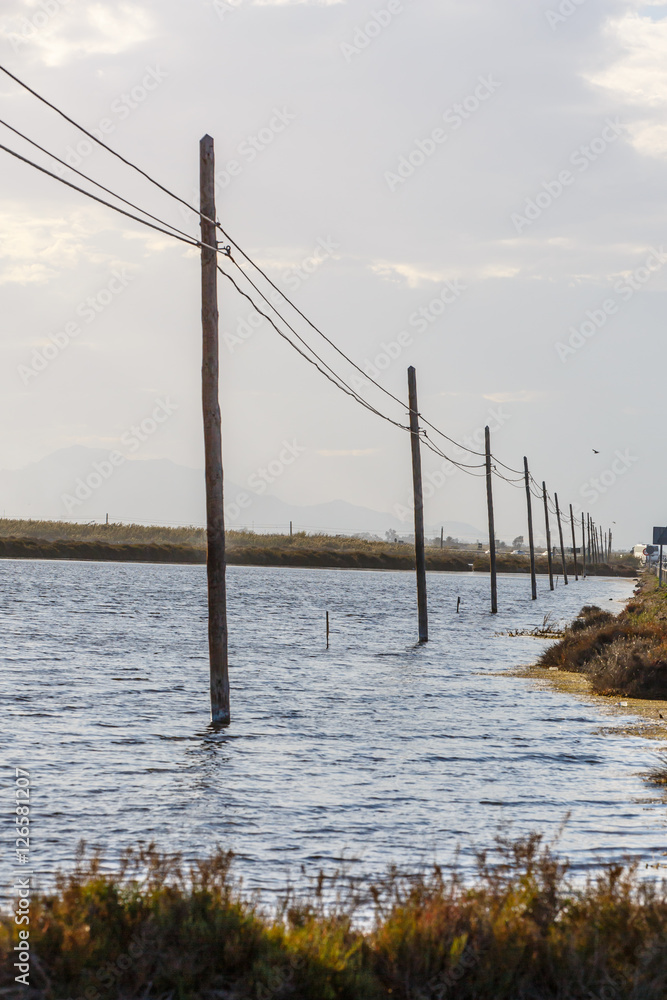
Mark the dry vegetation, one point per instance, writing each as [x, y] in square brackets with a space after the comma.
[144, 543]
[624, 655]
[520, 931]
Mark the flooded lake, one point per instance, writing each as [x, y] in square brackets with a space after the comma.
[376, 750]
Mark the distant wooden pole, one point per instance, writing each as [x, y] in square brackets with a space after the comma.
[562, 545]
[591, 554]
[548, 529]
[420, 554]
[610, 544]
[531, 540]
[290, 529]
[492, 527]
[327, 629]
[602, 552]
[215, 520]
[583, 547]
[442, 538]
[574, 545]
[660, 571]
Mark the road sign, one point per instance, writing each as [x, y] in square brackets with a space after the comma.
[660, 536]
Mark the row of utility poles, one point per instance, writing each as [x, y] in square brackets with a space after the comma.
[595, 546]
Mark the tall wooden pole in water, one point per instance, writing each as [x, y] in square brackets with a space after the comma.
[531, 540]
[548, 530]
[562, 546]
[574, 544]
[492, 527]
[420, 555]
[583, 546]
[215, 521]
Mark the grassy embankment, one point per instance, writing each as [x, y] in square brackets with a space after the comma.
[141, 543]
[520, 931]
[624, 655]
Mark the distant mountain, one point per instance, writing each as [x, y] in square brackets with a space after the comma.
[80, 484]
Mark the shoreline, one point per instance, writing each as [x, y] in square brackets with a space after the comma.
[318, 552]
[559, 670]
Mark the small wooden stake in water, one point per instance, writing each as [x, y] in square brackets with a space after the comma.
[327, 629]
[458, 604]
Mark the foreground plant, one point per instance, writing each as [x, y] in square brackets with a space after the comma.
[520, 930]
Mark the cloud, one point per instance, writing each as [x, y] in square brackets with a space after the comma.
[71, 31]
[638, 75]
[412, 274]
[37, 250]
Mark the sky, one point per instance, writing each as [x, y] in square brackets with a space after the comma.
[475, 188]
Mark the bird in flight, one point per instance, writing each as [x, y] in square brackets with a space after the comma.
[595, 452]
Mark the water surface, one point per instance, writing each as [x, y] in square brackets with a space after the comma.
[377, 750]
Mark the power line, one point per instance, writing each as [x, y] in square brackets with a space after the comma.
[333, 377]
[99, 141]
[337, 379]
[101, 201]
[92, 181]
[178, 234]
[182, 201]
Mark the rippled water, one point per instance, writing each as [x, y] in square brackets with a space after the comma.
[377, 750]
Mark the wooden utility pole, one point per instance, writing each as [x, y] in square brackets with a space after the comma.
[548, 529]
[591, 557]
[583, 546]
[562, 546]
[610, 541]
[492, 527]
[215, 520]
[442, 538]
[531, 540]
[574, 544]
[420, 555]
